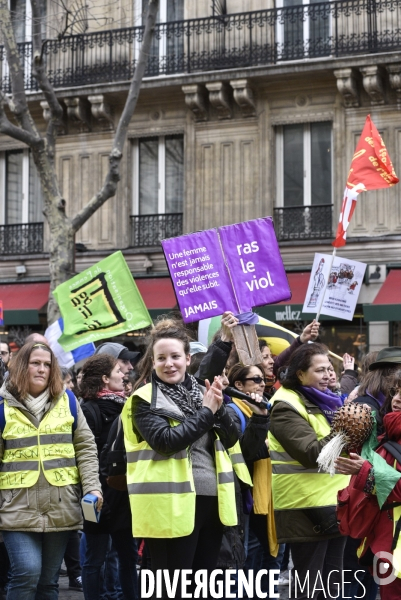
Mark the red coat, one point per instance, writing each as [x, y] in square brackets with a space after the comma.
[382, 535]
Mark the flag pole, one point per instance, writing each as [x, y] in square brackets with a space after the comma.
[319, 310]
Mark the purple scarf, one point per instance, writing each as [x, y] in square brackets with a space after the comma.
[380, 399]
[327, 401]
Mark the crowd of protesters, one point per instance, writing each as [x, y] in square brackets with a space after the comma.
[211, 480]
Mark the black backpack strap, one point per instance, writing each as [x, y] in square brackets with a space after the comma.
[396, 535]
[94, 410]
[394, 449]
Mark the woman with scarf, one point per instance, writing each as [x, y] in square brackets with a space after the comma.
[179, 472]
[253, 426]
[374, 477]
[375, 384]
[304, 498]
[222, 354]
[102, 389]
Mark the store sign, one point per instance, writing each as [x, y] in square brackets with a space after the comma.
[288, 314]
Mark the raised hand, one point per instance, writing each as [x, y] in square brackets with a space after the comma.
[213, 397]
[310, 332]
[228, 321]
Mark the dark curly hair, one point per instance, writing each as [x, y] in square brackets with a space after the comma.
[92, 374]
[301, 360]
[393, 380]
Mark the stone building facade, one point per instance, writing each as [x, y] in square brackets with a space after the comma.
[248, 109]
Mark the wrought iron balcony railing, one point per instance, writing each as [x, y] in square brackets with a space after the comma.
[24, 238]
[338, 28]
[303, 222]
[148, 230]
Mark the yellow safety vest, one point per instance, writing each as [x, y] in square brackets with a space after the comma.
[294, 486]
[49, 447]
[161, 488]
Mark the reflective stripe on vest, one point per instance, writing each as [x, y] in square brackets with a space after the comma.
[28, 448]
[239, 465]
[397, 540]
[161, 488]
[295, 486]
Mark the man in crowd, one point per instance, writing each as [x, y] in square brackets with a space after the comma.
[125, 358]
[5, 352]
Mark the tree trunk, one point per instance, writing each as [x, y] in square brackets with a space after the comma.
[62, 228]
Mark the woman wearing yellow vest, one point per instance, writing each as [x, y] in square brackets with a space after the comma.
[179, 473]
[251, 380]
[384, 541]
[47, 458]
[304, 498]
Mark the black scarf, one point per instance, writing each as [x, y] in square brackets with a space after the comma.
[186, 395]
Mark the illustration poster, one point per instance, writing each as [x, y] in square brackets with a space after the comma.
[344, 280]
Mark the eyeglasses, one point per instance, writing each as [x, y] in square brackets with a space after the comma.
[255, 379]
[395, 391]
[4, 352]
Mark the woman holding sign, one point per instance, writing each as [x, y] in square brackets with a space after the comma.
[48, 457]
[179, 441]
[305, 498]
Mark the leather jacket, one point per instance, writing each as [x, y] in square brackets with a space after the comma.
[151, 423]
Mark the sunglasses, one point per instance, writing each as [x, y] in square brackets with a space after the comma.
[4, 352]
[256, 379]
[395, 391]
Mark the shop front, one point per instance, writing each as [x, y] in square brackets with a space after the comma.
[339, 335]
[383, 315]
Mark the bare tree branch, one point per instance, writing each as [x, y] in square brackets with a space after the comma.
[19, 104]
[56, 110]
[113, 176]
[13, 131]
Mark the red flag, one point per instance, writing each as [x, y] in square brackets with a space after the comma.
[371, 169]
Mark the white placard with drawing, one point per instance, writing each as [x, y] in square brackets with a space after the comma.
[344, 281]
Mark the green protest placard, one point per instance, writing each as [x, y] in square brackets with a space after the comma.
[101, 302]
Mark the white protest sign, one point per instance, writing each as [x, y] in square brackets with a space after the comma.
[344, 281]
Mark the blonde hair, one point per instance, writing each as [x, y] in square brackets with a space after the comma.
[164, 328]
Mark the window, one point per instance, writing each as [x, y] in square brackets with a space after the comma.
[167, 48]
[304, 180]
[303, 30]
[158, 187]
[20, 188]
[158, 175]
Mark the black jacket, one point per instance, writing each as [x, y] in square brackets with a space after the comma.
[253, 439]
[116, 512]
[151, 423]
[374, 405]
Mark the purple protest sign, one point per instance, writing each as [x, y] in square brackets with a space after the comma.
[255, 263]
[199, 275]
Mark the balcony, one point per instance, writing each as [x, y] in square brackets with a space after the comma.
[148, 230]
[24, 238]
[326, 29]
[303, 222]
